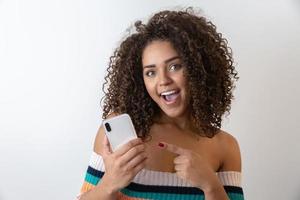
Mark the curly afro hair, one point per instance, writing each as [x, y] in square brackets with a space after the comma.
[209, 68]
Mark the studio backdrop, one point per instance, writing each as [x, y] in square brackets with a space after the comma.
[53, 56]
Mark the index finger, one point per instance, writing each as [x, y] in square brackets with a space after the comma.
[127, 146]
[106, 146]
[172, 148]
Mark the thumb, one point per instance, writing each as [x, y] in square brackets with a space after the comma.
[171, 148]
[106, 146]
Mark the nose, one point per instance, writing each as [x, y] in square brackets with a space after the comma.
[164, 79]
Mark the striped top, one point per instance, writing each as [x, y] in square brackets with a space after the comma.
[156, 185]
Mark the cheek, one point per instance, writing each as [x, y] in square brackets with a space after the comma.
[183, 83]
[149, 87]
[181, 80]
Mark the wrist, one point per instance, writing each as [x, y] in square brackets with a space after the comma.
[106, 186]
[213, 186]
[215, 191]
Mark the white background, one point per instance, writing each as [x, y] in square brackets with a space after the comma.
[53, 55]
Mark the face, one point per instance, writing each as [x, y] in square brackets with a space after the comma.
[164, 78]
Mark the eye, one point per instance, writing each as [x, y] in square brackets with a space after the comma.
[174, 67]
[150, 73]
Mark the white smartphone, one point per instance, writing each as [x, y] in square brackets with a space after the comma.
[119, 130]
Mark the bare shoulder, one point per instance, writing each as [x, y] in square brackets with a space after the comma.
[98, 143]
[231, 156]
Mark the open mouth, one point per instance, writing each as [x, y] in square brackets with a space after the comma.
[170, 97]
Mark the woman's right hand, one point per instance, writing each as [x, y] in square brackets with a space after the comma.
[122, 165]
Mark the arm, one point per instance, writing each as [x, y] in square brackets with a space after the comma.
[215, 192]
[108, 171]
[101, 190]
[195, 169]
[231, 162]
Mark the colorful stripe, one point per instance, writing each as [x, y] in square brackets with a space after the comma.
[145, 185]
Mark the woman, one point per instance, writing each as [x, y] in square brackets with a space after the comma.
[174, 77]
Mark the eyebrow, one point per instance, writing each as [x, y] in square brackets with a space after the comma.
[166, 61]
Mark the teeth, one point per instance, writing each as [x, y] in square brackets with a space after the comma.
[168, 92]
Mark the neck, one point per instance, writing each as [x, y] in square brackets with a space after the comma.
[182, 122]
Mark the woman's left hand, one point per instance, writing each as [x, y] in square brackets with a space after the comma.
[192, 167]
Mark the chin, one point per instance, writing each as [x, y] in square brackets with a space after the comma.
[173, 113]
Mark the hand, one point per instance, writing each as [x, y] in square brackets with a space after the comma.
[192, 167]
[122, 165]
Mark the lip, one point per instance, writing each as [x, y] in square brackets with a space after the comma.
[176, 91]
[171, 102]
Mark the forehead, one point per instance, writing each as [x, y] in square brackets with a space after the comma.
[157, 52]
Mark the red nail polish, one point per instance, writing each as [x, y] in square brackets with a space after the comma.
[161, 144]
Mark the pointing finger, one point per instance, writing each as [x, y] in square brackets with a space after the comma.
[172, 148]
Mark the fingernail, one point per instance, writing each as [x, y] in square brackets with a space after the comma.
[161, 144]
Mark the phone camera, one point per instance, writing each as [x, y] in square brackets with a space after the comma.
[107, 126]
